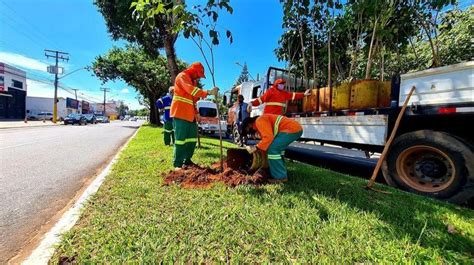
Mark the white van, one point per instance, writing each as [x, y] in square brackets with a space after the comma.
[208, 121]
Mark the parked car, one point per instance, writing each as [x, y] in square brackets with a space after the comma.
[91, 118]
[75, 119]
[133, 119]
[41, 116]
[102, 119]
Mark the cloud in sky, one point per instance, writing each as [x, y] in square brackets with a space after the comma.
[125, 91]
[40, 89]
[23, 61]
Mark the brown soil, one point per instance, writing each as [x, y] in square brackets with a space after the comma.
[199, 177]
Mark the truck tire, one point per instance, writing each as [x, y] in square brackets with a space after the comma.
[430, 163]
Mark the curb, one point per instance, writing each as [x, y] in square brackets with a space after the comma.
[33, 126]
[45, 250]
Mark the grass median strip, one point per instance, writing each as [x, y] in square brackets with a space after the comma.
[318, 216]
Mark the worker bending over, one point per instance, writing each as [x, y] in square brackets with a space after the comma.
[275, 98]
[276, 133]
[164, 103]
[184, 112]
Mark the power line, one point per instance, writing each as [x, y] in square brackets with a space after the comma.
[18, 17]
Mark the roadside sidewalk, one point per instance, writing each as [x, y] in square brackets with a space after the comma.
[22, 124]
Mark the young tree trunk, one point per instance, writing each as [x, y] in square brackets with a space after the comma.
[315, 83]
[369, 57]
[414, 50]
[329, 71]
[436, 61]
[303, 51]
[356, 48]
[329, 59]
[382, 61]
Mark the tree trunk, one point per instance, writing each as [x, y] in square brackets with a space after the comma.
[436, 61]
[382, 62]
[303, 51]
[329, 72]
[417, 58]
[329, 59]
[315, 83]
[154, 116]
[356, 48]
[369, 57]
[169, 41]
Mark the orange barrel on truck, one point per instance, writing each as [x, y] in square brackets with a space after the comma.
[341, 95]
[364, 94]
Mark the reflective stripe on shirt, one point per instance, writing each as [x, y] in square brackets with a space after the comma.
[195, 91]
[185, 100]
[276, 104]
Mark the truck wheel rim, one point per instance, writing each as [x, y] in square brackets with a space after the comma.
[425, 168]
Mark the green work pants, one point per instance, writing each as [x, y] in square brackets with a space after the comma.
[168, 132]
[276, 152]
[185, 134]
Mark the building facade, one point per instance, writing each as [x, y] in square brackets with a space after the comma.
[110, 109]
[35, 105]
[12, 92]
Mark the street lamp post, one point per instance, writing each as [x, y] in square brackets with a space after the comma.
[237, 63]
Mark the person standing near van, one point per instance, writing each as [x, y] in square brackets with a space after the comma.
[164, 103]
[242, 111]
[276, 96]
[183, 112]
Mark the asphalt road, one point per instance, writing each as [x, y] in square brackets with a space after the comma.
[42, 169]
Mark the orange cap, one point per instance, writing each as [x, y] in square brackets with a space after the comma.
[279, 81]
[197, 70]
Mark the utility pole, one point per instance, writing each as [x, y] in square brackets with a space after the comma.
[75, 91]
[57, 55]
[105, 92]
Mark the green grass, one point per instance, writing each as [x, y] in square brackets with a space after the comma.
[318, 216]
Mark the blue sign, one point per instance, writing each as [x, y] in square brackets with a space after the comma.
[72, 103]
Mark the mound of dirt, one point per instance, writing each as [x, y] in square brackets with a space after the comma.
[199, 177]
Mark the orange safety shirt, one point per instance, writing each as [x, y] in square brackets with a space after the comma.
[269, 125]
[186, 94]
[275, 99]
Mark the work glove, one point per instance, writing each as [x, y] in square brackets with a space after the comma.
[307, 92]
[213, 91]
[251, 149]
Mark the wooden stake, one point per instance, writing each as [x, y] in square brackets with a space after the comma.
[389, 142]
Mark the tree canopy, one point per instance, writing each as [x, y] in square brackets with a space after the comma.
[244, 75]
[372, 38]
[148, 75]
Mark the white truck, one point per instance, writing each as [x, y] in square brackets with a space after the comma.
[208, 121]
[432, 153]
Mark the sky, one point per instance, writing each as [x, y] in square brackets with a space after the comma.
[27, 27]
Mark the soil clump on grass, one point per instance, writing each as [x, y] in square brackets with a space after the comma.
[192, 177]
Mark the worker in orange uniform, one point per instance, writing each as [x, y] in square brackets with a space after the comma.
[183, 111]
[276, 133]
[275, 98]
